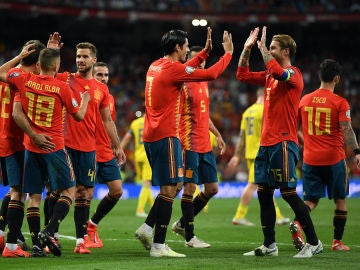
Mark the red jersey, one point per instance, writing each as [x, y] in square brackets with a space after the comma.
[281, 100]
[320, 113]
[194, 121]
[43, 98]
[11, 136]
[164, 81]
[81, 135]
[104, 151]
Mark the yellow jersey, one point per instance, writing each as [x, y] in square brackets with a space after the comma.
[136, 128]
[251, 123]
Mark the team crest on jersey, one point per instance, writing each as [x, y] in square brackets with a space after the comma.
[97, 95]
[348, 114]
[74, 102]
[189, 69]
[14, 74]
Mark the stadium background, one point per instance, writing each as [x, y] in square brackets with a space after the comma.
[127, 34]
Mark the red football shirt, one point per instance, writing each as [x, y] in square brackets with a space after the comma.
[320, 113]
[194, 121]
[11, 136]
[104, 151]
[164, 81]
[81, 135]
[43, 99]
[281, 101]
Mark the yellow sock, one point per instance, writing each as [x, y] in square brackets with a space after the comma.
[241, 211]
[143, 197]
[149, 196]
[277, 210]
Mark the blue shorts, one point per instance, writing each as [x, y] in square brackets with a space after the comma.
[84, 166]
[333, 178]
[165, 158]
[107, 171]
[200, 168]
[54, 168]
[12, 168]
[275, 165]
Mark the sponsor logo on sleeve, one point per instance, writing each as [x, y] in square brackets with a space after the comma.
[74, 103]
[348, 114]
[14, 74]
[189, 69]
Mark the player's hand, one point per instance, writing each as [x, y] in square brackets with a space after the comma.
[25, 52]
[227, 42]
[43, 142]
[234, 161]
[221, 145]
[262, 42]
[85, 96]
[249, 43]
[120, 156]
[54, 41]
[208, 44]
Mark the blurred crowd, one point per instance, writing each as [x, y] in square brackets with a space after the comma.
[210, 6]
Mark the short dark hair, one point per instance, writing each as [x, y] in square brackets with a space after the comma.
[47, 58]
[33, 57]
[100, 64]
[196, 48]
[329, 69]
[171, 38]
[87, 45]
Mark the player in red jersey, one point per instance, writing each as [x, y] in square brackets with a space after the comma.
[278, 153]
[80, 139]
[164, 80]
[107, 168]
[326, 128]
[12, 155]
[38, 111]
[199, 159]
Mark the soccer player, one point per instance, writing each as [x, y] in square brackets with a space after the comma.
[107, 167]
[249, 139]
[38, 112]
[326, 128]
[278, 153]
[199, 159]
[80, 139]
[12, 157]
[164, 81]
[142, 166]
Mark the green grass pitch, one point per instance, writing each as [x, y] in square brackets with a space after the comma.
[122, 251]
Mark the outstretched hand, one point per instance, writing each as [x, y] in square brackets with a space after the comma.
[227, 43]
[54, 41]
[249, 43]
[262, 42]
[208, 44]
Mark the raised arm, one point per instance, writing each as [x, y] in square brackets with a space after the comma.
[26, 51]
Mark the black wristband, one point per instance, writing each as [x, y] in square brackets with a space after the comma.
[357, 151]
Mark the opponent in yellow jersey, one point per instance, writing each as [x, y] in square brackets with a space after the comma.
[142, 166]
[249, 139]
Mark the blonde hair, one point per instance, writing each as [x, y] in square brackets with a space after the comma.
[286, 41]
